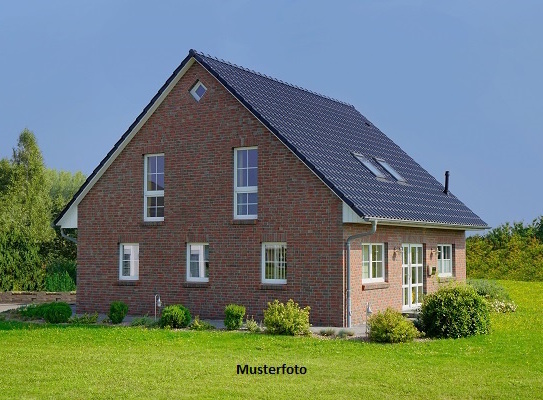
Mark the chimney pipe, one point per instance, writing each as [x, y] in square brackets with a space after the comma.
[446, 191]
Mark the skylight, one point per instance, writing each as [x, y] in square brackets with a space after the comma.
[198, 90]
[369, 165]
[390, 170]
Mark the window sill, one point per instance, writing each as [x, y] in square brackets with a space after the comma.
[446, 278]
[244, 221]
[152, 223]
[127, 283]
[375, 285]
[196, 285]
[271, 286]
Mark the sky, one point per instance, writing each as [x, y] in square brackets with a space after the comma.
[457, 84]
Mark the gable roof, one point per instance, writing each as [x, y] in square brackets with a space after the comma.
[324, 134]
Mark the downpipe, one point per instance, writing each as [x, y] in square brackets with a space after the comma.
[348, 262]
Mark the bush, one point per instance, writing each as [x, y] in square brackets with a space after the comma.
[198, 325]
[62, 266]
[85, 319]
[253, 326]
[117, 312]
[33, 311]
[56, 313]
[59, 282]
[344, 333]
[144, 321]
[453, 312]
[286, 319]
[328, 332]
[175, 316]
[233, 316]
[496, 295]
[391, 326]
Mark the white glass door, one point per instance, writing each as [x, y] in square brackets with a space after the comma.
[412, 276]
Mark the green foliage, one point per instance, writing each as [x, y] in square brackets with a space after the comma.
[286, 319]
[144, 321]
[344, 333]
[175, 316]
[33, 311]
[59, 282]
[85, 319]
[252, 326]
[454, 311]
[233, 316]
[27, 240]
[497, 296]
[328, 332]
[56, 313]
[512, 252]
[391, 326]
[117, 312]
[198, 325]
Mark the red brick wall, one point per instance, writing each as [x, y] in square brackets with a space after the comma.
[389, 295]
[197, 140]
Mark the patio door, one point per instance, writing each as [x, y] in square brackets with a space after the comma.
[412, 276]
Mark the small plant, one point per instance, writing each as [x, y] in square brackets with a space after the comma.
[496, 295]
[328, 332]
[57, 313]
[233, 316]
[391, 326]
[33, 311]
[253, 326]
[85, 319]
[344, 333]
[198, 325]
[144, 321]
[286, 319]
[59, 282]
[117, 312]
[175, 316]
[454, 311]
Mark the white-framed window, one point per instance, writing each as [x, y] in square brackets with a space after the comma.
[369, 165]
[129, 261]
[390, 169]
[246, 183]
[444, 260]
[198, 90]
[274, 263]
[373, 262]
[153, 188]
[198, 262]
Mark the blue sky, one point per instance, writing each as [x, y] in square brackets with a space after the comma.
[458, 85]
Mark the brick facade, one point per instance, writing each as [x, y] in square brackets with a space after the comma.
[198, 141]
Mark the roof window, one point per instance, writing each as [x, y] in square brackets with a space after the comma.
[369, 165]
[198, 90]
[390, 170]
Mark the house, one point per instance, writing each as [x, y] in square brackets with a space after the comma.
[234, 187]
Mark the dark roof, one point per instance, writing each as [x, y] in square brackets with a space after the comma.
[324, 133]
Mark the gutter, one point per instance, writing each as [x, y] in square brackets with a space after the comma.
[71, 239]
[348, 261]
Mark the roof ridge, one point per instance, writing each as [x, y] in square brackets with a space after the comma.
[269, 77]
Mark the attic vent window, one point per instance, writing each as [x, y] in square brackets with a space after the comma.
[390, 170]
[198, 90]
[369, 165]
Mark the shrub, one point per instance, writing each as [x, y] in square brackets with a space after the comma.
[253, 326]
[496, 295]
[59, 282]
[56, 313]
[233, 316]
[85, 319]
[453, 312]
[175, 316]
[33, 311]
[144, 321]
[117, 312]
[328, 332]
[391, 326]
[62, 266]
[198, 325]
[286, 319]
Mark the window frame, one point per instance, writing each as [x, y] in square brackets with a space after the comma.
[440, 272]
[152, 193]
[201, 262]
[134, 262]
[390, 169]
[273, 281]
[193, 90]
[366, 162]
[244, 189]
[372, 279]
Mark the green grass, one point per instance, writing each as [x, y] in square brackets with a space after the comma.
[118, 362]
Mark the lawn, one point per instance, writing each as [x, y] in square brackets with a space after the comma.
[104, 362]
